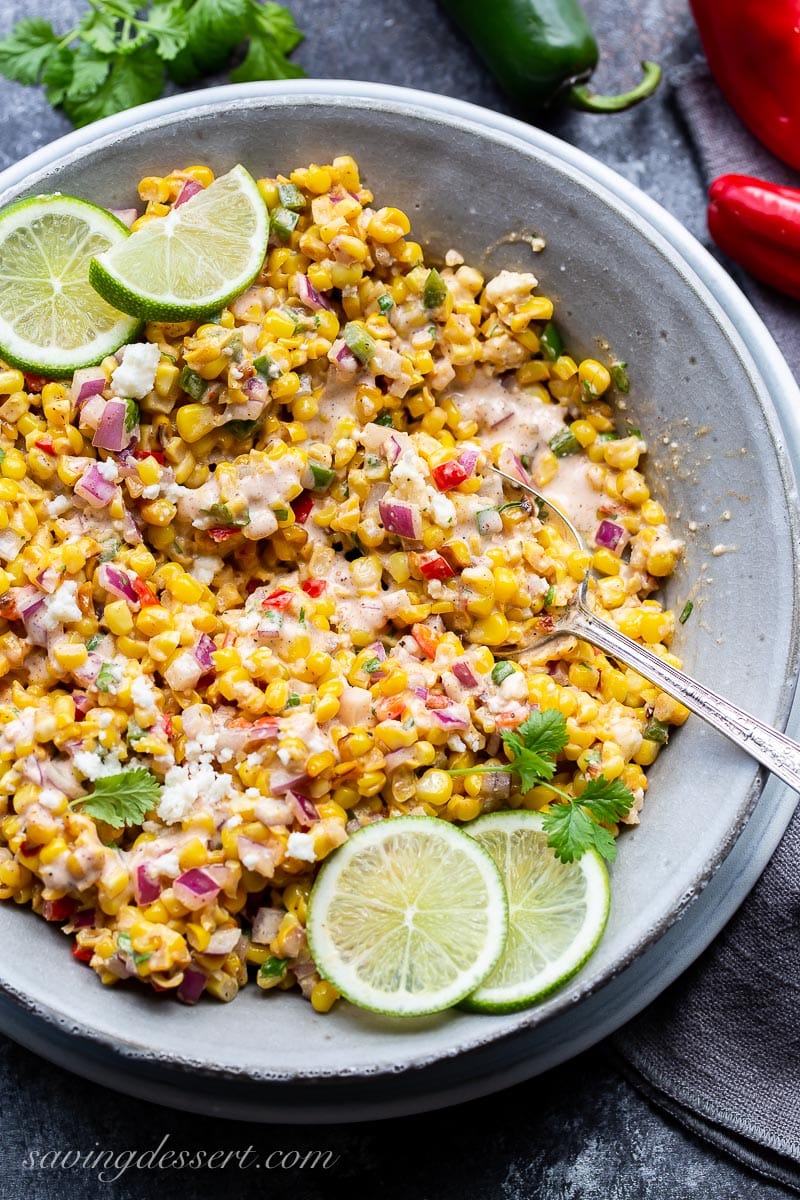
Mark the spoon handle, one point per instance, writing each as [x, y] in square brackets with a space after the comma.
[768, 746]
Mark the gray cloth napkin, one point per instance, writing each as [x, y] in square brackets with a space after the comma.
[720, 1050]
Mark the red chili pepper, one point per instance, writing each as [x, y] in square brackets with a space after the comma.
[302, 506]
[221, 533]
[753, 49]
[35, 383]
[508, 720]
[424, 639]
[280, 599]
[433, 566]
[435, 701]
[158, 455]
[166, 722]
[314, 587]
[757, 224]
[146, 595]
[82, 953]
[46, 444]
[8, 609]
[59, 910]
[449, 475]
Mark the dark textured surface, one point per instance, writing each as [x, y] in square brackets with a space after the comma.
[580, 1132]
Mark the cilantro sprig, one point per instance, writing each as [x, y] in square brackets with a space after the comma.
[121, 51]
[577, 824]
[122, 799]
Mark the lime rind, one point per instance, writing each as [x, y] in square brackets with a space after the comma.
[407, 917]
[557, 912]
[51, 320]
[193, 261]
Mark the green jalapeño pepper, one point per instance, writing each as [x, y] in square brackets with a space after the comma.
[541, 51]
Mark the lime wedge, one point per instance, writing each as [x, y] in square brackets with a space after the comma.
[192, 261]
[407, 917]
[51, 320]
[556, 912]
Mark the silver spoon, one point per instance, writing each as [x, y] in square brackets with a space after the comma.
[773, 749]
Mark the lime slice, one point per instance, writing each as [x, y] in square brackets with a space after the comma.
[194, 260]
[51, 320]
[556, 912]
[407, 917]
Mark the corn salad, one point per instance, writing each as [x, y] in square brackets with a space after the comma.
[261, 560]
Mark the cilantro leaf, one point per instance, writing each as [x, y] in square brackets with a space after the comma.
[214, 29]
[27, 49]
[273, 35]
[572, 828]
[534, 745]
[122, 799]
[133, 79]
[168, 25]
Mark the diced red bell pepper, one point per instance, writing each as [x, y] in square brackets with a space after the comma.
[424, 639]
[59, 910]
[508, 720]
[433, 566]
[35, 383]
[221, 533]
[449, 475]
[314, 587]
[280, 599]
[46, 445]
[302, 506]
[82, 953]
[146, 594]
[158, 455]
[435, 701]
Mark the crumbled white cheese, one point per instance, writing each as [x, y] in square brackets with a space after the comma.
[144, 696]
[184, 785]
[57, 506]
[151, 492]
[109, 470]
[205, 567]
[301, 845]
[62, 605]
[90, 764]
[10, 544]
[514, 686]
[105, 718]
[443, 510]
[167, 864]
[136, 374]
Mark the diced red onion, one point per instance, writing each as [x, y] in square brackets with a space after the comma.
[266, 924]
[308, 294]
[421, 692]
[89, 670]
[449, 719]
[512, 464]
[221, 874]
[398, 758]
[84, 919]
[87, 382]
[119, 583]
[392, 449]
[48, 580]
[190, 188]
[195, 888]
[126, 215]
[32, 770]
[401, 518]
[493, 744]
[378, 650]
[280, 782]
[500, 420]
[145, 887]
[30, 609]
[202, 650]
[111, 433]
[257, 389]
[222, 941]
[192, 985]
[120, 967]
[256, 856]
[611, 536]
[495, 783]
[60, 774]
[345, 358]
[94, 487]
[464, 673]
[82, 703]
[262, 733]
[90, 414]
[130, 530]
[305, 808]
[468, 459]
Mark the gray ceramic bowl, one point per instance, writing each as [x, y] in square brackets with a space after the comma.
[706, 380]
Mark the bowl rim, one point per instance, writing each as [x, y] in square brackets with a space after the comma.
[721, 297]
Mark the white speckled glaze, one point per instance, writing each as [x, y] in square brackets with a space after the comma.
[706, 376]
